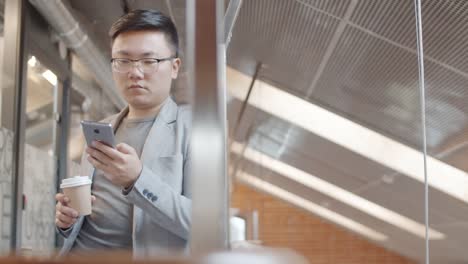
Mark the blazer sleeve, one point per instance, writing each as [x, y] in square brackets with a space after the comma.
[168, 208]
[64, 232]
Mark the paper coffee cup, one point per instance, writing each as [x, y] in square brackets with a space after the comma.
[78, 190]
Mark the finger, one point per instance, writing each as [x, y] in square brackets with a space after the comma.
[68, 211]
[62, 198]
[62, 224]
[97, 164]
[125, 148]
[98, 155]
[65, 218]
[109, 151]
[93, 198]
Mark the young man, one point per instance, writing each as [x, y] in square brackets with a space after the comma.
[141, 188]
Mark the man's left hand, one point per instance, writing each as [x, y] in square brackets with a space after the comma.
[120, 165]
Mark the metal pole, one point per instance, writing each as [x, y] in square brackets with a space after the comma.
[230, 19]
[422, 88]
[206, 62]
[63, 133]
[246, 100]
[13, 103]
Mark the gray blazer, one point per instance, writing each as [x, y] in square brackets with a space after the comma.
[161, 196]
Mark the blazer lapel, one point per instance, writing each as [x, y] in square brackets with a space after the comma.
[115, 122]
[159, 140]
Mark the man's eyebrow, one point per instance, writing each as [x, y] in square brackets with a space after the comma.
[122, 52]
[150, 53]
[145, 54]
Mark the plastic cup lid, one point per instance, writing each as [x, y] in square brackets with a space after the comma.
[75, 181]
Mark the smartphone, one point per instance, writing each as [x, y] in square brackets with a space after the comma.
[98, 131]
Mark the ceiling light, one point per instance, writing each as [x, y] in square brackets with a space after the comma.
[50, 76]
[32, 61]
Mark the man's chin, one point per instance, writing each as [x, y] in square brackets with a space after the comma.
[141, 100]
[137, 100]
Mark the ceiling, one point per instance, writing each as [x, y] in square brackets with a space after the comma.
[357, 59]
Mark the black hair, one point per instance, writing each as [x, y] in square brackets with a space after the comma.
[146, 19]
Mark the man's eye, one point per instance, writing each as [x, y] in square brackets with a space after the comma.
[123, 62]
[149, 62]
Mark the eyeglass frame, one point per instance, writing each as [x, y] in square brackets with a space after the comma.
[138, 64]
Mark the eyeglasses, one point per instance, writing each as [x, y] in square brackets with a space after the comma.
[145, 65]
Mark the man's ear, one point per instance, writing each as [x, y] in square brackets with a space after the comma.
[175, 67]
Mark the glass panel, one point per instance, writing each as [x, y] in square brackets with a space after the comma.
[6, 156]
[446, 74]
[327, 150]
[38, 227]
[41, 92]
[2, 37]
[6, 159]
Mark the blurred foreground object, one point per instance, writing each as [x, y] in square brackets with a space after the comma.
[254, 255]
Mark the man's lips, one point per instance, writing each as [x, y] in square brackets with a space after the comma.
[134, 86]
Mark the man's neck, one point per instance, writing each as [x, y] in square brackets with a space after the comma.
[137, 113]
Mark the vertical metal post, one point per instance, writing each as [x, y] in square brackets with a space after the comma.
[14, 101]
[63, 128]
[206, 64]
[222, 102]
[230, 19]
[422, 89]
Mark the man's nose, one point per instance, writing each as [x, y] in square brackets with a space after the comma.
[135, 71]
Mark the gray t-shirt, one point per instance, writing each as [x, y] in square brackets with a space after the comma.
[110, 224]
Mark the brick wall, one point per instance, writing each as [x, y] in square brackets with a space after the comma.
[282, 225]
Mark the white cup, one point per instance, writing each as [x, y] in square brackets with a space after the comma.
[78, 190]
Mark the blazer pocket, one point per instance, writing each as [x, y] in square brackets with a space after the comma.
[170, 169]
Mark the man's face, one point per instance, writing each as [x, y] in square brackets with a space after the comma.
[145, 90]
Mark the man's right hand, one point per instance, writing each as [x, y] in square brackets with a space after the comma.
[65, 216]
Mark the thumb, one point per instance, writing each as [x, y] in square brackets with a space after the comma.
[124, 148]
